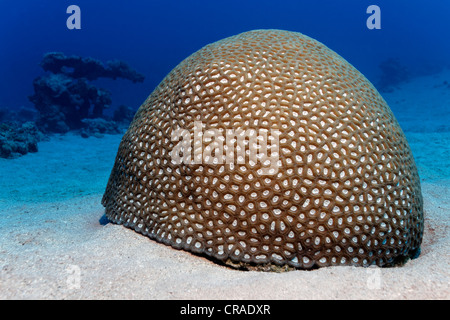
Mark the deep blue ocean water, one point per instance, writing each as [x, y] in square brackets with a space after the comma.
[154, 36]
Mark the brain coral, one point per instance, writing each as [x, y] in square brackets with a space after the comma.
[345, 190]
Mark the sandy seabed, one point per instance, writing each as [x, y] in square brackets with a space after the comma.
[54, 246]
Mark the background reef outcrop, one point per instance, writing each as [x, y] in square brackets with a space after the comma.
[64, 96]
[65, 100]
[17, 139]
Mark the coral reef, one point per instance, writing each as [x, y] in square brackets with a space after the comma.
[4, 113]
[17, 139]
[88, 68]
[392, 74]
[64, 97]
[123, 114]
[341, 186]
[65, 100]
[98, 126]
[21, 115]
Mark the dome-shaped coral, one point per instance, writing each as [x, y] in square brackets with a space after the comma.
[340, 186]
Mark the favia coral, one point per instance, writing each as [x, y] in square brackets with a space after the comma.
[345, 190]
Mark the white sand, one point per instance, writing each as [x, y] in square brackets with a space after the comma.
[52, 245]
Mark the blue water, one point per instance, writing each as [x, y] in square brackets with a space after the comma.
[154, 36]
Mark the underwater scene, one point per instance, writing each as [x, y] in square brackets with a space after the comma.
[216, 150]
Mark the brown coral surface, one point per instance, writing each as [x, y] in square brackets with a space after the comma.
[345, 190]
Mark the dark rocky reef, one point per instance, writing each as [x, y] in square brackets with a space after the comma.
[17, 139]
[64, 97]
[66, 100]
[97, 127]
[21, 115]
[88, 68]
[123, 114]
[392, 74]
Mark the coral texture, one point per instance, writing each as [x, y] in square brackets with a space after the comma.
[346, 190]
